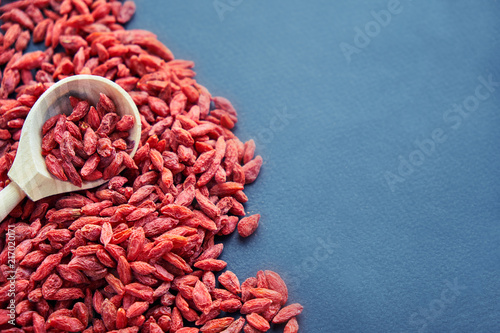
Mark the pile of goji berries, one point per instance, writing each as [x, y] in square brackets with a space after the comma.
[138, 253]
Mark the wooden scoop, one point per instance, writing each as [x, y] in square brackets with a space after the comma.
[28, 174]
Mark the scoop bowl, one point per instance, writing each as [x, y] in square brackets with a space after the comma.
[28, 174]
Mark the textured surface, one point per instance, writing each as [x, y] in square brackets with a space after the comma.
[360, 254]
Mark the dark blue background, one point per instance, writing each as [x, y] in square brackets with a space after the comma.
[360, 256]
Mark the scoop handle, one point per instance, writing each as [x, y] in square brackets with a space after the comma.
[10, 197]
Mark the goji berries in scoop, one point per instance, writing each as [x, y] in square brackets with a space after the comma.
[90, 143]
